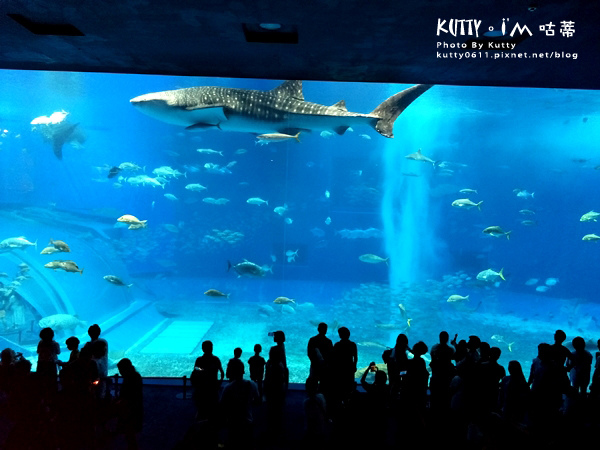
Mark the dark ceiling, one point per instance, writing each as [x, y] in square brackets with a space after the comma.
[341, 40]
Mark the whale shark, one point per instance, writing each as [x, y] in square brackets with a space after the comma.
[280, 110]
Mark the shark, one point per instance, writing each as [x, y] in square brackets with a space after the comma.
[279, 110]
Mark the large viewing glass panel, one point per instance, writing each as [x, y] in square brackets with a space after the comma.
[339, 205]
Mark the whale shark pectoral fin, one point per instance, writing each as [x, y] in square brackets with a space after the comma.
[340, 130]
[202, 126]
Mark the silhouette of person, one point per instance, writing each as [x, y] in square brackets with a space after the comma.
[275, 387]
[236, 404]
[257, 369]
[319, 351]
[206, 382]
[237, 354]
[514, 394]
[344, 358]
[397, 362]
[99, 349]
[279, 339]
[48, 351]
[580, 366]
[130, 405]
[490, 375]
[442, 372]
[558, 352]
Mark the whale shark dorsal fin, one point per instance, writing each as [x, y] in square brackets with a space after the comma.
[340, 105]
[290, 88]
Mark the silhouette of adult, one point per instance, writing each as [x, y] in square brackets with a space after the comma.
[48, 351]
[442, 372]
[514, 395]
[396, 361]
[490, 375]
[206, 379]
[99, 349]
[580, 366]
[558, 352]
[236, 404]
[275, 387]
[130, 405]
[344, 358]
[279, 339]
[319, 351]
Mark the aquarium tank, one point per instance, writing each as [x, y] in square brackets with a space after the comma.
[171, 216]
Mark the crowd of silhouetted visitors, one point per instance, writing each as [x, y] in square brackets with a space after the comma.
[460, 397]
[68, 404]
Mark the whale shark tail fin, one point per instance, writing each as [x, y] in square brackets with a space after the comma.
[390, 109]
[59, 139]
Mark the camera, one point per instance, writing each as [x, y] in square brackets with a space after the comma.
[271, 334]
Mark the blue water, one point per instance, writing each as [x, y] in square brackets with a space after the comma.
[495, 140]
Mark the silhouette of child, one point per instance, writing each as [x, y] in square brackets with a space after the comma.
[73, 345]
[257, 368]
[237, 354]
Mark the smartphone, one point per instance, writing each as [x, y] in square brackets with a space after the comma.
[271, 333]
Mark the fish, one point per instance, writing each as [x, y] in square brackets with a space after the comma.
[490, 275]
[257, 201]
[468, 191]
[60, 245]
[281, 210]
[195, 187]
[49, 251]
[326, 134]
[457, 298]
[240, 151]
[136, 226]
[247, 268]
[17, 242]
[288, 220]
[128, 218]
[418, 156]
[522, 193]
[277, 137]
[116, 280]
[280, 110]
[317, 232]
[527, 212]
[496, 231]
[391, 326]
[59, 322]
[531, 282]
[129, 166]
[542, 288]
[591, 216]
[216, 293]
[171, 197]
[365, 136]
[587, 237]
[328, 221]
[529, 223]
[291, 255]
[209, 151]
[58, 130]
[67, 266]
[284, 301]
[287, 309]
[551, 281]
[465, 203]
[373, 259]
[500, 340]
[113, 172]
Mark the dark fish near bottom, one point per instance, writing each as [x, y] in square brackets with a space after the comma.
[113, 172]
